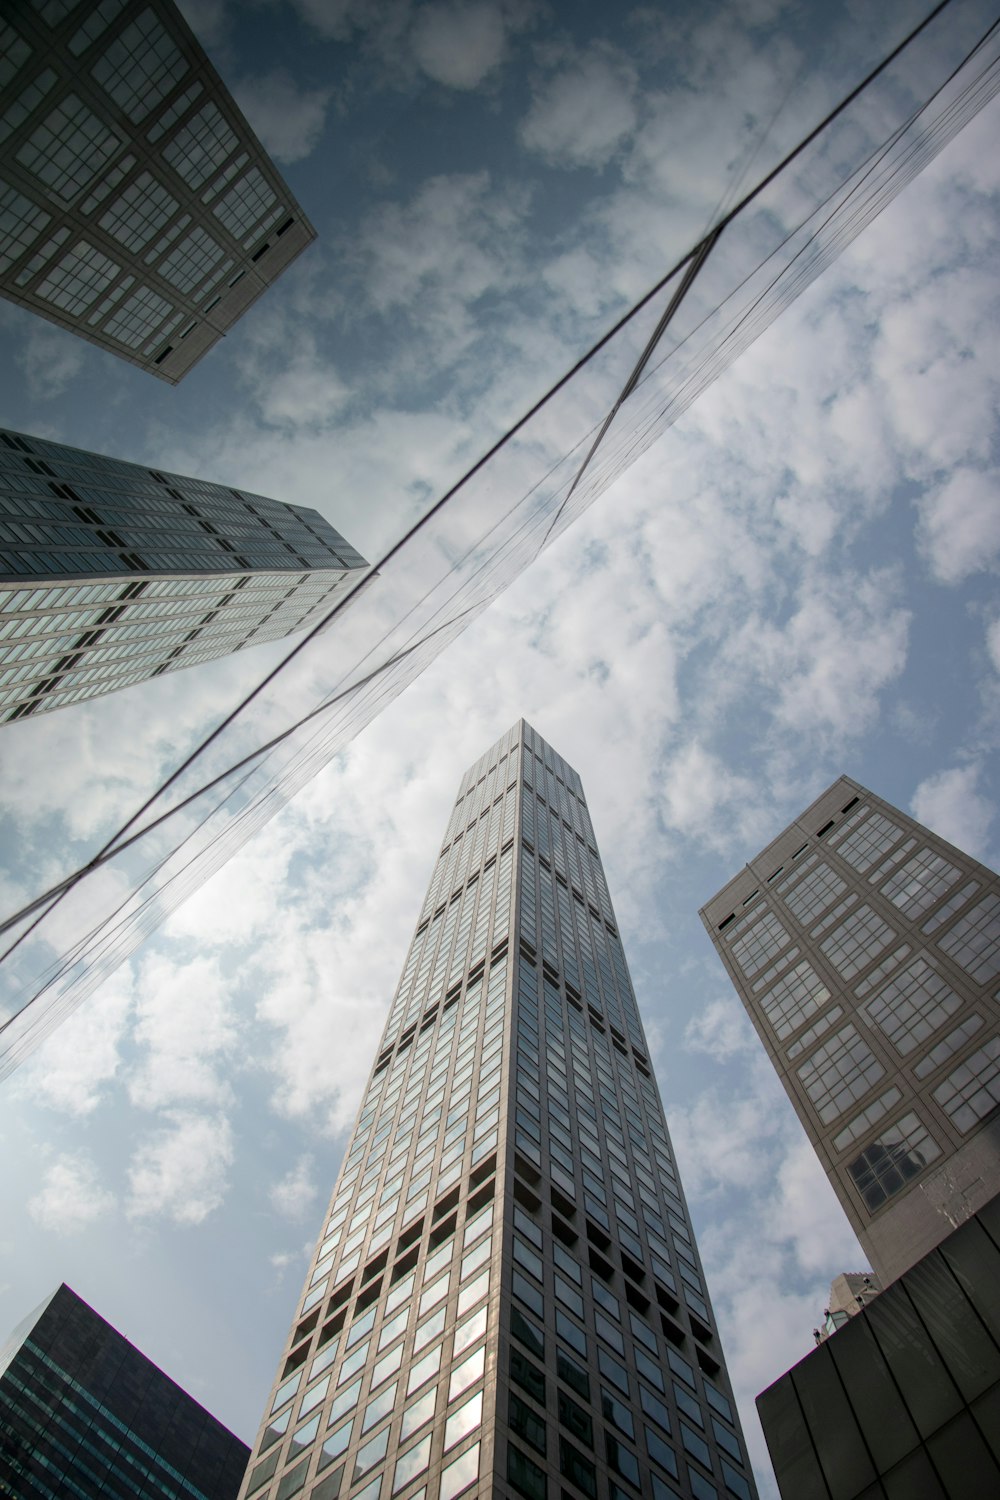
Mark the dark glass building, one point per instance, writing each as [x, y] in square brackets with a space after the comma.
[506, 1298]
[903, 1401]
[138, 208]
[84, 1414]
[111, 573]
[866, 951]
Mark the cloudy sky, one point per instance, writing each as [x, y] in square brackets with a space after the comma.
[798, 580]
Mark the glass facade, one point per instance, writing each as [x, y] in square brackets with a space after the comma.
[138, 208]
[111, 573]
[866, 951]
[83, 1413]
[506, 1297]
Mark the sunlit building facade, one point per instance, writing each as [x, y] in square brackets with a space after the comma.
[866, 951]
[83, 1413]
[138, 208]
[111, 573]
[506, 1298]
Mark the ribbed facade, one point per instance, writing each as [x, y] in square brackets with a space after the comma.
[506, 1298]
[866, 951]
[138, 208]
[111, 573]
[84, 1414]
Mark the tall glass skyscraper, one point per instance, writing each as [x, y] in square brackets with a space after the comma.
[506, 1297]
[111, 573]
[138, 208]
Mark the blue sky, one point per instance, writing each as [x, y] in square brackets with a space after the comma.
[799, 579]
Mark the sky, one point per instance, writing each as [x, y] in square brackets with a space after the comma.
[797, 581]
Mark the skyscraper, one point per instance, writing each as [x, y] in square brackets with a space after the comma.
[84, 1413]
[138, 208]
[111, 573]
[506, 1297]
[866, 951]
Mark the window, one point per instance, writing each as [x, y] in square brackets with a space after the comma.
[78, 279]
[839, 1072]
[862, 1123]
[859, 939]
[469, 1370]
[621, 1460]
[576, 1420]
[201, 146]
[412, 1463]
[759, 944]
[617, 1413]
[245, 204]
[974, 941]
[417, 1414]
[793, 999]
[140, 67]
[916, 886]
[463, 1471]
[524, 1474]
[867, 842]
[526, 1423]
[527, 1376]
[465, 1419]
[892, 1160]
[68, 149]
[817, 890]
[574, 1336]
[660, 1452]
[615, 1372]
[529, 1335]
[912, 1006]
[577, 1469]
[573, 1374]
[972, 1091]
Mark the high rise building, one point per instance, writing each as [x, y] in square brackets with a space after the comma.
[849, 1293]
[506, 1298]
[138, 208]
[866, 951]
[83, 1413]
[111, 573]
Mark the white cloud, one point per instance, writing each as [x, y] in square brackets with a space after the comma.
[185, 1026]
[51, 360]
[295, 1194]
[581, 114]
[180, 1172]
[953, 806]
[71, 1196]
[459, 44]
[720, 1030]
[73, 1068]
[289, 120]
[960, 525]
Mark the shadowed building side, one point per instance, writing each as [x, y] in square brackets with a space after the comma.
[139, 209]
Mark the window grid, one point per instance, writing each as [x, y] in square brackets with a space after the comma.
[140, 67]
[201, 146]
[974, 941]
[892, 1160]
[814, 893]
[138, 318]
[759, 943]
[858, 940]
[69, 148]
[245, 204]
[839, 1073]
[868, 842]
[797, 996]
[80, 277]
[21, 222]
[922, 881]
[972, 1091]
[140, 213]
[912, 1006]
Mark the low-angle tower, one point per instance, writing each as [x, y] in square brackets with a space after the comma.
[506, 1297]
[111, 573]
[139, 209]
[866, 951]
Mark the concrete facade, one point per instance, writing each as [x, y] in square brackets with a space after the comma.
[866, 951]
